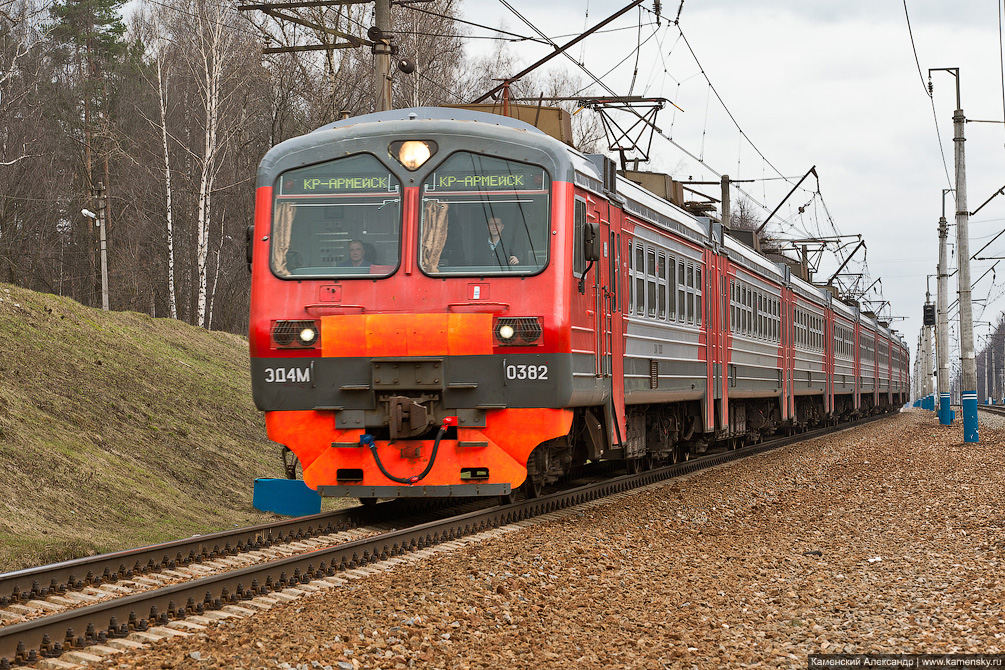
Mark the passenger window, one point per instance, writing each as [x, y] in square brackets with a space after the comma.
[651, 282]
[672, 288]
[681, 291]
[697, 298]
[631, 282]
[661, 278]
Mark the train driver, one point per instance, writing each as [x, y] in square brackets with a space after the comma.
[357, 256]
[497, 249]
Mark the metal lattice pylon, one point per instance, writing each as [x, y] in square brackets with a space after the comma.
[635, 134]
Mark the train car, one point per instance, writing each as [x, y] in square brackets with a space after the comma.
[844, 374]
[808, 305]
[452, 303]
[868, 389]
[756, 363]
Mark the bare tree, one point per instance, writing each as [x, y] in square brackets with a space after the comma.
[428, 36]
[743, 214]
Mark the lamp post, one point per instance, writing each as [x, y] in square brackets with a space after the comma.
[99, 221]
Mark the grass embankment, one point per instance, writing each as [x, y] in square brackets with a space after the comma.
[119, 430]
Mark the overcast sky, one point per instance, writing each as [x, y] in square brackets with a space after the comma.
[827, 83]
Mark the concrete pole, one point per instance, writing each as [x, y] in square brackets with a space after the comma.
[969, 386]
[926, 365]
[726, 209]
[991, 374]
[984, 378]
[926, 350]
[942, 329]
[382, 57]
[104, 248]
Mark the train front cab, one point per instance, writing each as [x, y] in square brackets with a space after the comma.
[437, 364]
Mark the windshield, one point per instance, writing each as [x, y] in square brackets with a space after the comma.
[483, 215]
[337, 219]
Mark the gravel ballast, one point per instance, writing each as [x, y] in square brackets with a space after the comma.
[881, 539]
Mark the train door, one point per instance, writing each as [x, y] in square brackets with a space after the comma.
[614, 325]
[714, 292]
[597, 212]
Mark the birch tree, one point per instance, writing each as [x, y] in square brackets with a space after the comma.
[19, 34]
[210, 49]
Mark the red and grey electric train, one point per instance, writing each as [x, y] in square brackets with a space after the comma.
[453, 303]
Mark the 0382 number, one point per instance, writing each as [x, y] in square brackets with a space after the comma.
[532, 372]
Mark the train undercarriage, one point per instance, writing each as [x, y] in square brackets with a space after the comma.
[664, 434]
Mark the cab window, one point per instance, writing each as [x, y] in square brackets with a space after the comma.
[482, 215]
[340, 218]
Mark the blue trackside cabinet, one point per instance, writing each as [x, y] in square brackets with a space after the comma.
[290, 497]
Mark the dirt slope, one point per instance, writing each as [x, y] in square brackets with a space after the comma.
[118, 430]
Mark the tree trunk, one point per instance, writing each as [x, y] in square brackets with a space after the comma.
[161, 98]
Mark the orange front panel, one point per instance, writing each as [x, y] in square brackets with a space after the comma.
[383, 335]
[306, 432]
[469, 334]
[445, 471]
[511, 435]
[343, 336]
[520, 430]
[427, 334]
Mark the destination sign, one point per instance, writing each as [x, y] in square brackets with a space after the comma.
[527, 180]
[314, 184]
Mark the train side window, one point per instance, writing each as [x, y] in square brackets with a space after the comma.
[681, 291]
[697, 296]
[690, 293]
[748, 312]
[661, 279]
[640, 280]
[651, 282]
[615, 260]
[578, 262]
[672, 288]
[631, 281]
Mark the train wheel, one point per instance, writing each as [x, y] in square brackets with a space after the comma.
[681, 453]
[537, 471]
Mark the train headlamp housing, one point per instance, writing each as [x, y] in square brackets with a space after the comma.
[296, 334]
[413, 154]
[518, 331]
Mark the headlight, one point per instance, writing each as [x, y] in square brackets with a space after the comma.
[308, 336]
[413, 154]
[520, 331]
[296, 334]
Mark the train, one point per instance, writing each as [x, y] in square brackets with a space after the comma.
[452, 302]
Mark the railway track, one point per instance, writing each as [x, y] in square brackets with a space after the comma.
[109, 603]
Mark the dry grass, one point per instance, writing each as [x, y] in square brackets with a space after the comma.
[118, 430]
